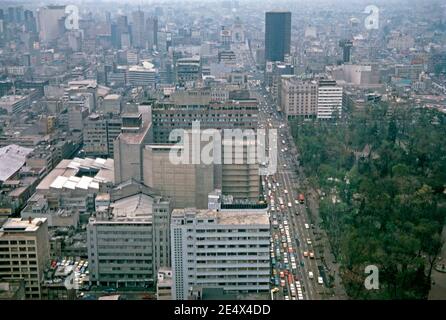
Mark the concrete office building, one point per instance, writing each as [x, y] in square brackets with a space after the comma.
[277, 35]
[112, 103]
[100, 132]
[14, 104]
[128, 148]
[187, 184]
[220, 249]
[329, 99]
[129, 240]
[188, 70]
[24, 252]
[240, 169]
[231, 114]
[409, 71]
[298, 98]
[142, 75]
[362, 76]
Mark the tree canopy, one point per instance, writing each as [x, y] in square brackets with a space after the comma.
[382, 175]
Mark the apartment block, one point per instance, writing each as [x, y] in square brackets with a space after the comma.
[298, 98]
[226, 249]
[230, 114]
[100, 132]
[129, 240]
[24, 252]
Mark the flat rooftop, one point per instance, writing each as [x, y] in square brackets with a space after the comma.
[239, 217]
[68, 174]
[21, 225]
[112, 97]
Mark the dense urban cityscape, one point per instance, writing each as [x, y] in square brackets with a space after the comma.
[222, 150]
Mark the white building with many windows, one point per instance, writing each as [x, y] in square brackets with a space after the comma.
[329, 99]
[226, 249]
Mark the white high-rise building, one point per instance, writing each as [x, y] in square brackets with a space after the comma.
[329, 99]
[49, 22]
[227, 249]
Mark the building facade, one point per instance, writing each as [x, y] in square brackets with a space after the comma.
[298, 98]
[226, 249]
[129, 240]
[329, 100]
[277, 35]
[24, 252]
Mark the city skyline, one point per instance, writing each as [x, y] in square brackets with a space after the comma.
[223, 150]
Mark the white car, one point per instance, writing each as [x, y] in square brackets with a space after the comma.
[310, 275]
[308, 241]
[307, 226]
[289, 205]
[320, 280]
[285, 191]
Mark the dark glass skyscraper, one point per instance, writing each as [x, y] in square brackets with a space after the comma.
[346, 46]
[277, 35]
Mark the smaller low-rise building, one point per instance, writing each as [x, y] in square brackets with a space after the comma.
[164, 284]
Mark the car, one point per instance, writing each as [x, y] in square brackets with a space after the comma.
[285, 191]
[310, 275]
[305, 254]
[311, 255]
[307, 226]
[308, 241]
[320, 280]
[289, 205]
[282, 283]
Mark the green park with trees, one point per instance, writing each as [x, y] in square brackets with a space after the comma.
[380, 173]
